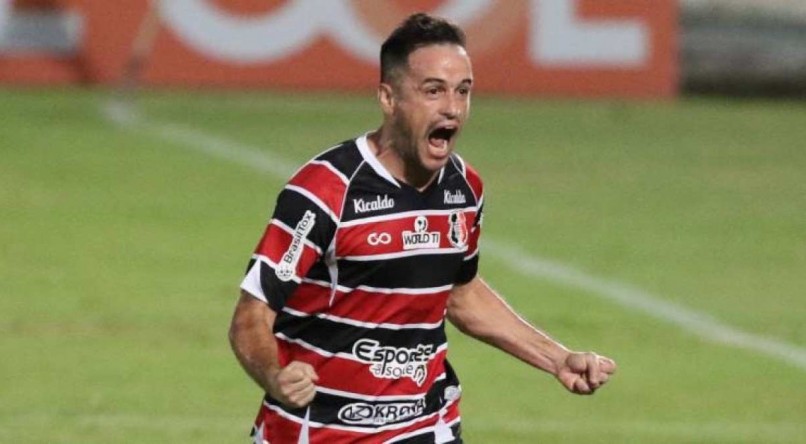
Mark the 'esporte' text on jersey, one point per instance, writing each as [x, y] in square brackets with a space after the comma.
[358, 267]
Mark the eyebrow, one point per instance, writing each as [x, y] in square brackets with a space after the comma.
[467, 81]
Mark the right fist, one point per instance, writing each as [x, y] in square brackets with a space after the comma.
[294, 385]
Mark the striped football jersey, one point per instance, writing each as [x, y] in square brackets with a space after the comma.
[358, 267]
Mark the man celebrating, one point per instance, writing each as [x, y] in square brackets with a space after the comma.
[372, 245]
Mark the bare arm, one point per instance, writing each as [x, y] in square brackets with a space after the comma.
[253, 342]
[478, 311]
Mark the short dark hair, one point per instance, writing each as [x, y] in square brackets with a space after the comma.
[416, 31]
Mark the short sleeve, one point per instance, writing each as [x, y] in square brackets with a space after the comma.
[470, 261]
[297, 236]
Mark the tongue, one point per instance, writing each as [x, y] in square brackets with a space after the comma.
[438, 142]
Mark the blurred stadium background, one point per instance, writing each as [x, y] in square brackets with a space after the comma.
[644, 162]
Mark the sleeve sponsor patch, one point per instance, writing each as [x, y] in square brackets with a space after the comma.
[287, 267]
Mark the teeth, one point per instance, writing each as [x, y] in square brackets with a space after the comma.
[440, 137]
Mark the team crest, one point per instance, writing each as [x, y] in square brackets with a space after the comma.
[457, 229]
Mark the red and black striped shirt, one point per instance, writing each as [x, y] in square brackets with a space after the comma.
[359, 267]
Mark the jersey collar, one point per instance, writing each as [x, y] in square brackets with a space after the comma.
[369, 157]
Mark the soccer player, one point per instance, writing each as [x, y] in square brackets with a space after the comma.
[372, 245]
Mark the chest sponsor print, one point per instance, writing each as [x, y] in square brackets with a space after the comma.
[454, 198]
[361, 206]
[394, 363]
[380, 413]
[421, 238]
[381, 238]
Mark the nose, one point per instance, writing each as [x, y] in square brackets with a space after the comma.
[452, 107]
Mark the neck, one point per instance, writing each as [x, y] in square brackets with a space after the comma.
[403, 167]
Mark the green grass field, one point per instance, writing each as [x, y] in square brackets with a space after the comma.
[121, 250]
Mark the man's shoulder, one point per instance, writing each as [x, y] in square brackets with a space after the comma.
[337, 163]
[324, 180]
[469, 173]
[343, 158]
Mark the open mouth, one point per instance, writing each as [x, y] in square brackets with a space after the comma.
[440, 137]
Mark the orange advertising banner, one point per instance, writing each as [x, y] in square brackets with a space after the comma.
[592, 48]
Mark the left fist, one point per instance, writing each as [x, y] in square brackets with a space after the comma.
[584, 373]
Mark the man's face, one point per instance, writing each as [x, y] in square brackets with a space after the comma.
[432, 102]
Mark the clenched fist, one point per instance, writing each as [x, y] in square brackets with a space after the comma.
[294, 385]
[583, 373]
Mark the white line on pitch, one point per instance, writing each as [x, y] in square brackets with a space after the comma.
[625, 295]
[528, 264]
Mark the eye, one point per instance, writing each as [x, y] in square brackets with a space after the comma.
[433, 91]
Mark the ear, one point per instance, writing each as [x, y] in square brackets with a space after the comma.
[386, 98]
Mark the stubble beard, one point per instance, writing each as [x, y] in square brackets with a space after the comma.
[415, 172]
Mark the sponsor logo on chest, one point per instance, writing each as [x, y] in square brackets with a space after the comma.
[420, 237]
[377, 204]
[456, 197]
[376, 239]
[377, 414]
[394, 363]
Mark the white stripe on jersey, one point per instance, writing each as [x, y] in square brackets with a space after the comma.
[326, 284]
[332, 271]
[313, 198]
[332, 169]
[317, 350]
[375, 398]
[348, 321]
[423, 431]
[408, 291]
[302, 167]
[399, 254]
[279, 224]
[472, 255]
[402, 291]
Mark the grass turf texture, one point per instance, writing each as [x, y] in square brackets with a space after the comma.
[120, 255]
